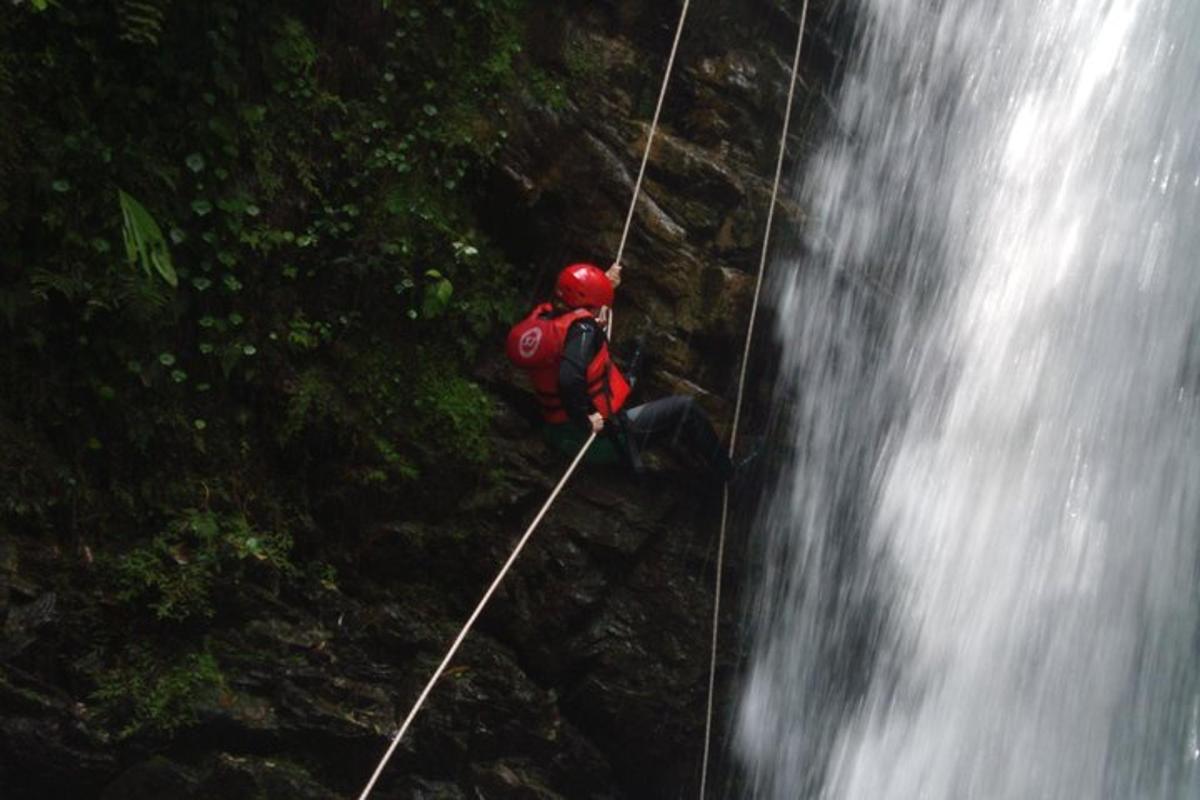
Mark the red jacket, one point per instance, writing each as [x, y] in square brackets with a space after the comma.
[536, 345]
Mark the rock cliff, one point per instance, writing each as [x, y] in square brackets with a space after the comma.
[586, 678]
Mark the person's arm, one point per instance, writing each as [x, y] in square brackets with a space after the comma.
[581, 346]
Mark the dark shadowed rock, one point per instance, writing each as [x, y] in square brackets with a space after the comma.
[248, 776]
[155, 779]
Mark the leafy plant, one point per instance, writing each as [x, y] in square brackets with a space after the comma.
[147, 692]
[452, 412]
[141, 21]
[144, 241]
[437, 295]
[179, 571]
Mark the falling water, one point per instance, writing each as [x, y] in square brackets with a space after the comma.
[979, 569]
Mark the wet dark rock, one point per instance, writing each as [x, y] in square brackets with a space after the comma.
[242, 776]
[9, 565]
[222, 775]
[157, 778]
[23, 621]
[45, 746]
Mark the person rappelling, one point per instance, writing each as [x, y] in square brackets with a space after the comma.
[563, 347]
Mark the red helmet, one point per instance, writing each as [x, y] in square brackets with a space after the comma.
[584, 286]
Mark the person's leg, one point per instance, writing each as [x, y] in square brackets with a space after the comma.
[679, 420]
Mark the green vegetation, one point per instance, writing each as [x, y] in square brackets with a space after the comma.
[242, 289]
[148, 692]
[177, 571]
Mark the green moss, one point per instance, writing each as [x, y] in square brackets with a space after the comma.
[584, 60]
[147, 693]
[178, 573]
[453, 413]
[314, 397]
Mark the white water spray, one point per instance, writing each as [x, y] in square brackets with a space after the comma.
[980, 570]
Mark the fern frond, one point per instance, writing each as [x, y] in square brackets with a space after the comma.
[141, 299]
[141, 21]
[71, 285]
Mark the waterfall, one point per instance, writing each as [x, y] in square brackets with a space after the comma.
[978, 571]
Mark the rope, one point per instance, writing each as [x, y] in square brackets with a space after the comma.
[637, 186]
[462, 635]
[662, 96]
[737, 409]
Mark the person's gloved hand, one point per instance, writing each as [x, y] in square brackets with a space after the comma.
[596, 421]
[614, 274]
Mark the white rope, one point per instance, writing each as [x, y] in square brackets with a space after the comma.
[637, 186]
[737, 409]
[475, 615]
[462, 635]
[662, 96]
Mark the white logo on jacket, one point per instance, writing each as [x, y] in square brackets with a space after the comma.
[530, 342]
